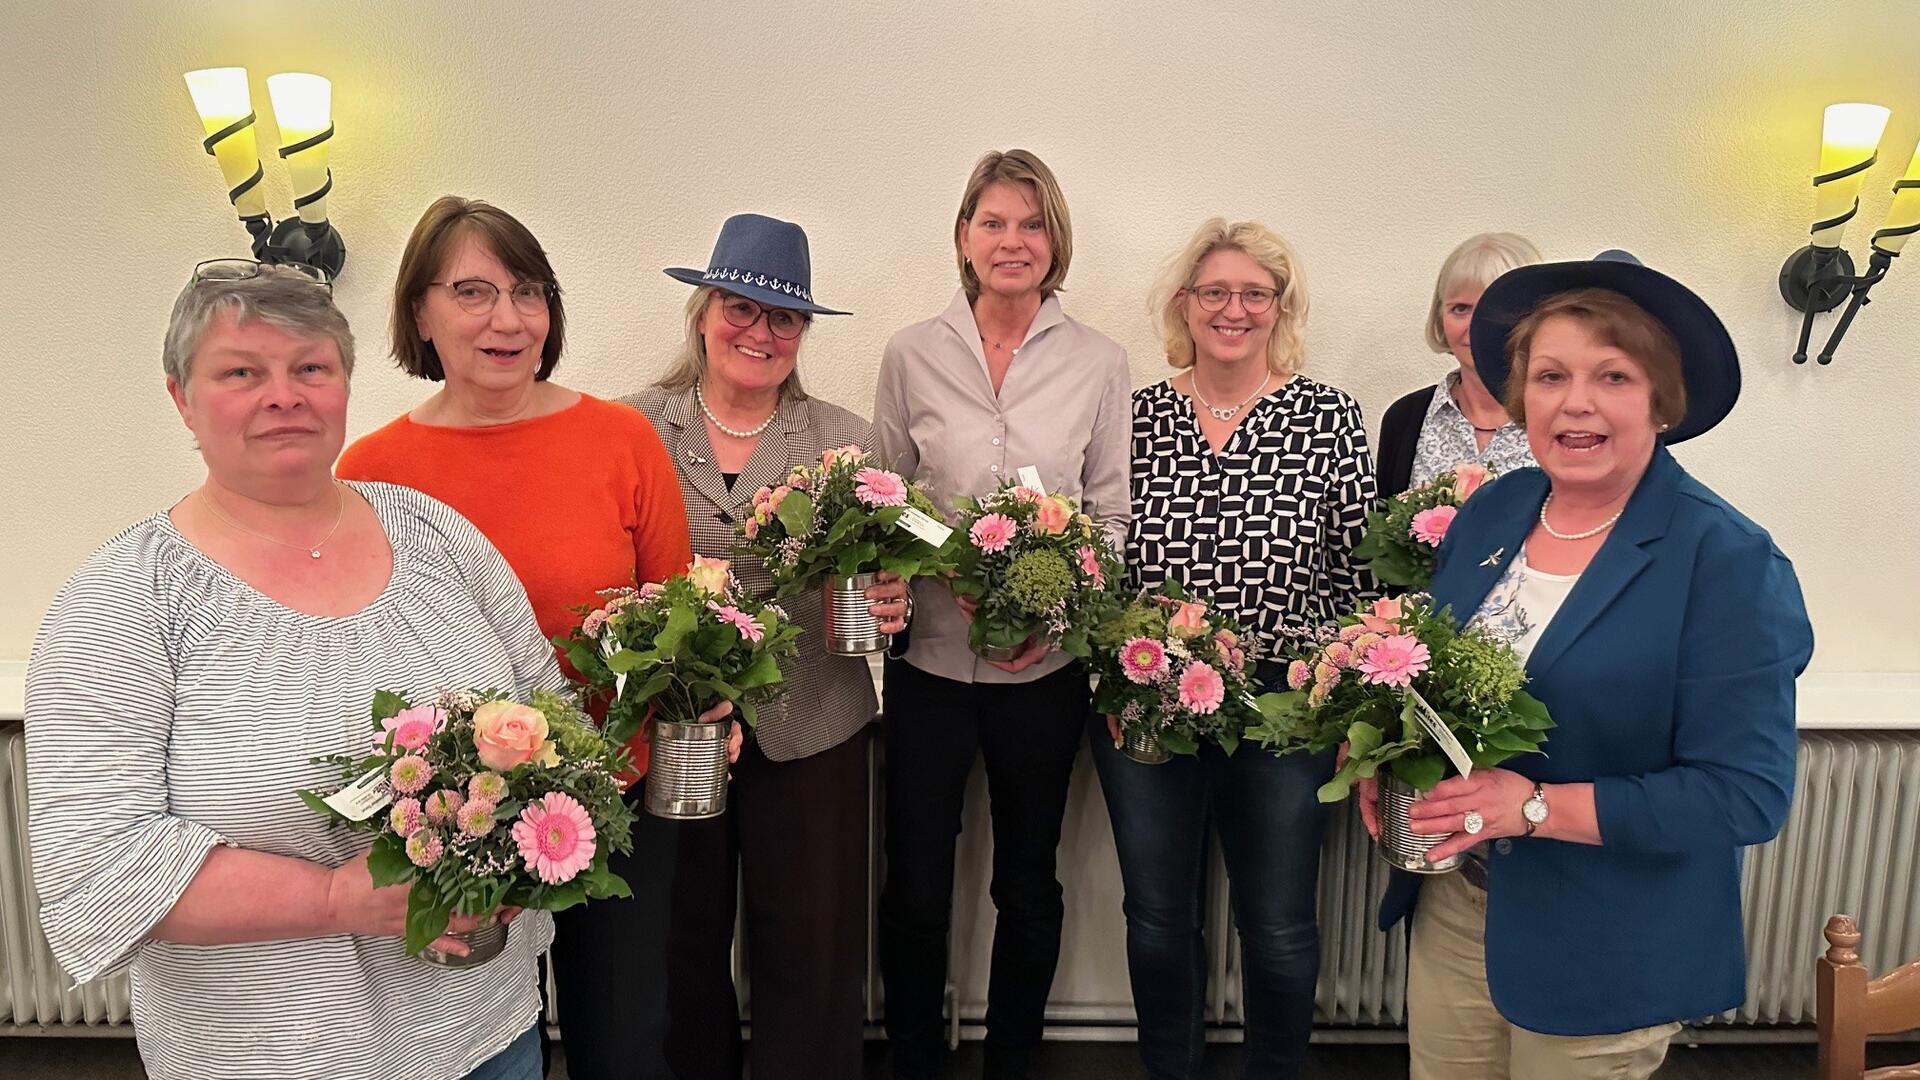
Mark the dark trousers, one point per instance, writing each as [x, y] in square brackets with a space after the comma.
[795, 834]
[610, 965]
[1270, 827]
[1028, 734]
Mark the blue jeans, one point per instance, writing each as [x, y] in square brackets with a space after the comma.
[1270, 828]
[519, 1061]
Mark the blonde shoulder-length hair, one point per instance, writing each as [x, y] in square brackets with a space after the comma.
[1286, 349]
[690, 363]
[1017, 167]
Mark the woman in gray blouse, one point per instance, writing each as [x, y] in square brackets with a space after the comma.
[1001, 380]
[187, 676]
[734, 419]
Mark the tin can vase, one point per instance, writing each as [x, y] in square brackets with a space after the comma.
[1002, 653]
[687, 772]
[1399, 844]
[1143, 746]
[851, 628]
[483, 942]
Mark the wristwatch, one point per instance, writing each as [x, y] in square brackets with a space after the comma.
[1535, 809]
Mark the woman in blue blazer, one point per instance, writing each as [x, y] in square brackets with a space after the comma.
[1664, 631]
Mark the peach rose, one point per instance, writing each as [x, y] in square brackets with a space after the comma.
[1189, 621]
[1467, 479]
[1052, 514]
[709, 575]
[508, 733]
[1384, 618]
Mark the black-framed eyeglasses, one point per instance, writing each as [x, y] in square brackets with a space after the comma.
[242, 269]
[1216, 297]
[477, 296]
[783, 323]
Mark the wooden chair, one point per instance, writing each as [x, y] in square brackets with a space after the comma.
[1853, 1007]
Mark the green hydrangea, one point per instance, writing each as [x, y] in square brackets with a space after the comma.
[1134, 620]
[1480, 671]
[1038, 580]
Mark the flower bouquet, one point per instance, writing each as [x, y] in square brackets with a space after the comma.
[1414, 697]
[833, 525]
[492, 803]
[1173, 671]
[664, 654]
[1039, 568]
[1403, 535]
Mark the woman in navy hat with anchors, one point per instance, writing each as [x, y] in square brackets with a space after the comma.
[734, 419]
[1664, 631]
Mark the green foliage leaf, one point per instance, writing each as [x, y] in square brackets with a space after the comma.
[1176, 742]
[427, 916]
[1420, 771]
[387, 862]
[681, 623]
[796, 512]
[387, 704]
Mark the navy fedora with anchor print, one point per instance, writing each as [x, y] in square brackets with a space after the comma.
[763, 259]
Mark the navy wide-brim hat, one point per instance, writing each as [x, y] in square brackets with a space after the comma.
[763, 259]
[1708, 362]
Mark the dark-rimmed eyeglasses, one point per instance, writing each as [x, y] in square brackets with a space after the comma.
[783, 323]
[242, 269]
[1216, 297]
[477, 296]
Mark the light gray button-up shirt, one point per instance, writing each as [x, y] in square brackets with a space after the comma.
[1063, 409]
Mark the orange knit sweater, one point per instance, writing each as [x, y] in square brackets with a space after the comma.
[577, 501]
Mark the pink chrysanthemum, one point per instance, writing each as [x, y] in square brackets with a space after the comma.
[405, 817]
[748, 626]
[1339, 654]
[595, 619]
[411, 728]
[878, 487]
[410, 774]
[475, 818]
[1430, 526]
[1090, 566]
[424, 848]
[487, 787]
[442, 805]
[1324, 672]
[1349, 633]
[1394, 661]
[992, 532]
[1143, 661]
[556, 837]
[1025, 494]
[1201, 688]
[1298, 675]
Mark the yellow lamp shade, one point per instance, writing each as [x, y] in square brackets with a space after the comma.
[1849, 137]
[1903, 217]
[303, 109]
[226, 118]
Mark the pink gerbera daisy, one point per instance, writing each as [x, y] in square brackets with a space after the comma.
[748, 626]
[878, 487]
[1143, 661]
[1430, 526]
[1394, 661]
[556, 837]
[410, 728]
[993, 532]
[1201, 688]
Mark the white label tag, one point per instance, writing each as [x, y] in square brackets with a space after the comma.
[1030, 477]
[1437, 728]
[608, 646]
[925, 526]
[364, 797]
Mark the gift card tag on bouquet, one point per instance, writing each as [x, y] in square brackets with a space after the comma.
[609, 646]
[925, 526]
[1436, 727]
[1030, 477]
[364, 797]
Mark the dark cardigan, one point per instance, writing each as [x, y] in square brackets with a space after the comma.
[1399, 438]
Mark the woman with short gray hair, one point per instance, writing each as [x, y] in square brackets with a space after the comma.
[189, 674]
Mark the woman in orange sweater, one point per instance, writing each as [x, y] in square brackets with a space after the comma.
[579, 495]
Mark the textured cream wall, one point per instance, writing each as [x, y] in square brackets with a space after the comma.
[1685, 132]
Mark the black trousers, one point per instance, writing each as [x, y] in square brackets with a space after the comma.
[795, 834]
[1028, 734]
[610, 965]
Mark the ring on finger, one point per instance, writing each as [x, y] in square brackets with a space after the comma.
[1474, 823]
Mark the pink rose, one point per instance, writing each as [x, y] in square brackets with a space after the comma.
[1467, 479]
[1052, 515]
[1430, 526]
[710, 575]
[1384, 618]
[508, 734]
[1189, 621]
[411, 728]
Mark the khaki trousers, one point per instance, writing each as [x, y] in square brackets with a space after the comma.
[1453, 1031]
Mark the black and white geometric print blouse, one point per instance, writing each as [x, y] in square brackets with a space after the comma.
[1265, 528]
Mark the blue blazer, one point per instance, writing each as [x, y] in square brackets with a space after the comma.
[1670, 672]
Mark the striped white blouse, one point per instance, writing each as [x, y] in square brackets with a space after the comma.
[171, 707]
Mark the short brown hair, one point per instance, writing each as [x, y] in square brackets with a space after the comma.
[449, 220]
[1018, 167]
[1616, 322]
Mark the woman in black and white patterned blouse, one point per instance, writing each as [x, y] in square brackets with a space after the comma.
[1251, 484]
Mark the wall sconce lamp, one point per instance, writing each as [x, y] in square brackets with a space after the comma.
[1819, 276]
[302, 107]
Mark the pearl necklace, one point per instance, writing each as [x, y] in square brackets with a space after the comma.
[1227, 412]
[340, 512]
[1595, 531]
[715, 421]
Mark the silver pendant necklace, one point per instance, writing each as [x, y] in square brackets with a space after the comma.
[748, 434]
[340, 501]
[1595, 531]
[1227, 412]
